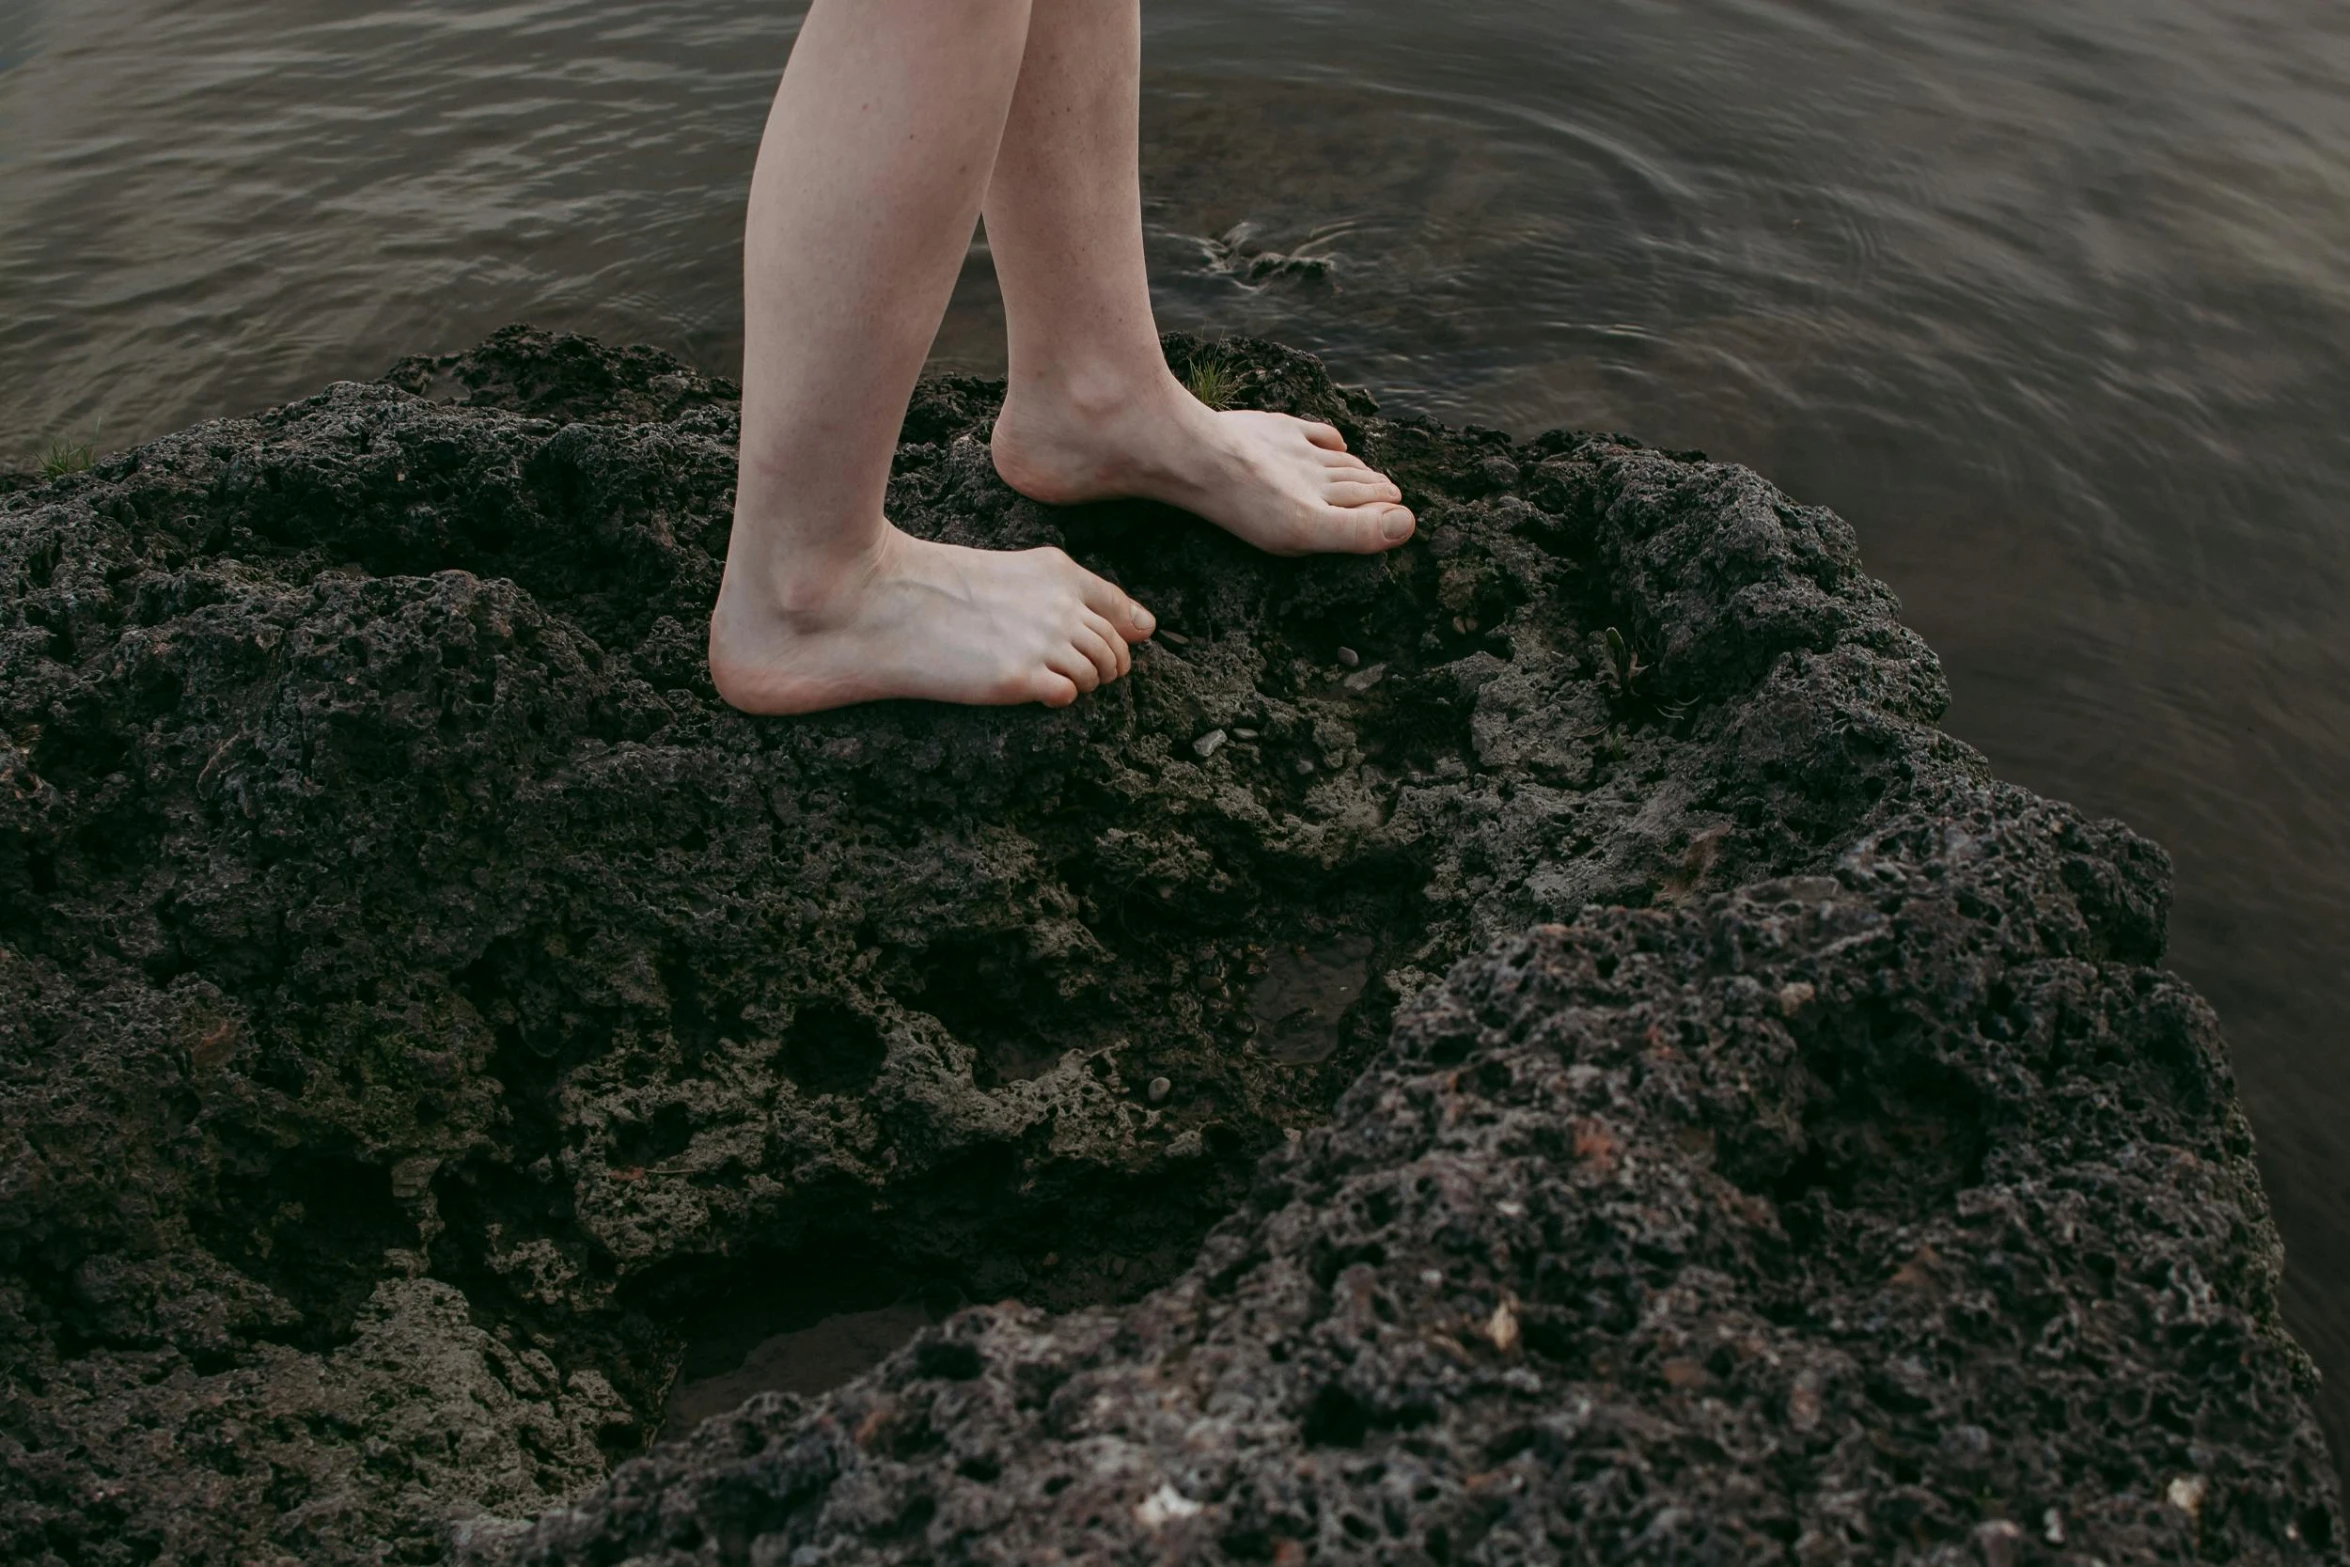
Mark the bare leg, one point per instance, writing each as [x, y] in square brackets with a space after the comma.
[1093, 410]
[869, 179]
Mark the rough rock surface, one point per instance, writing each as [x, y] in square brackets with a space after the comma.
[431, 1023]
[1894, 1214]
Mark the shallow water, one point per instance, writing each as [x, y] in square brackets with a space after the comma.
[806, 1361]
[2053, 302]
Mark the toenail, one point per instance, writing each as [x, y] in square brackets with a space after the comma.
[1399, 526]
[1144, 620]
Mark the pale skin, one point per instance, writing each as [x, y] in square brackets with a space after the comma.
[897, 124]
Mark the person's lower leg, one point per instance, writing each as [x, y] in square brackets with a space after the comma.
[1064, 211]
[868, 183]
[1092, 409]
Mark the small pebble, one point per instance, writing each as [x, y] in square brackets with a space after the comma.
[1795, 995]
[1206, 744]
[1365, 679]
[1305, 765]
[1244, 734]
[1349, 657]
[1160, 1088]
[1176, 637]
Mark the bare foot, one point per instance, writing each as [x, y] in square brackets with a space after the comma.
[910, 618]
[1288, 486]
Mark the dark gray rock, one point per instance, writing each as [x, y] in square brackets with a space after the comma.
[431, 1024]
[1885, 1215]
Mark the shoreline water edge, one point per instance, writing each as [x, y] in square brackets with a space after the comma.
[1531, 1048]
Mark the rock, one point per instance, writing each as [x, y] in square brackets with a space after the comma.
[432, 1021]
[1348, 657]
[1602, 1256]
[1159, 1089]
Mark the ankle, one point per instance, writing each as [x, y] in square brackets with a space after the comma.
[1090, 391]
[801, 579]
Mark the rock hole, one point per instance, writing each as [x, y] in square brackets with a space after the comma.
[913, 1520]
[1336, 1418]
[807, 1361]
[832, 1049]
[798, 1322]
[950, 1360]
[1007, 1007]
[807, 1319]
[698, 1016]
[2317, 1527]
[653, 1142]
[314, 1229]
[1306, 991]
[1884, 1127]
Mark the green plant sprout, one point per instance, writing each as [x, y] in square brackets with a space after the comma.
[1210, 383]
[1628, 669]
[61, 459]
[1626, 661]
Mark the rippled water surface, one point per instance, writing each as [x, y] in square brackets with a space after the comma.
[2052, 300]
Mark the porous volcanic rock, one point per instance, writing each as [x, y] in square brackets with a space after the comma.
[1893, 1214]
[431, 1024]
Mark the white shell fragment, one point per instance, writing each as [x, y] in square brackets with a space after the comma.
[1163, 1506]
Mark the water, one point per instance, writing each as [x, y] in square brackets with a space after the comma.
[2052, 301]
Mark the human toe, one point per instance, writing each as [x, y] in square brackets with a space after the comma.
[1122, 656]
[1346, 468]
[1395, 524]
[1369, 529]
[1106, 650]
[1130, 620]
[1052, 688]
[1361, 492]
[1072, 659]
[1323, 435]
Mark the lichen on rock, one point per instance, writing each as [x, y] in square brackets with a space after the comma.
[431, 1024]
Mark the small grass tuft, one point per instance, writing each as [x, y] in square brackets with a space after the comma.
[1211, 383]
[1627, 663]
[61, 459]
[1632, 691]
